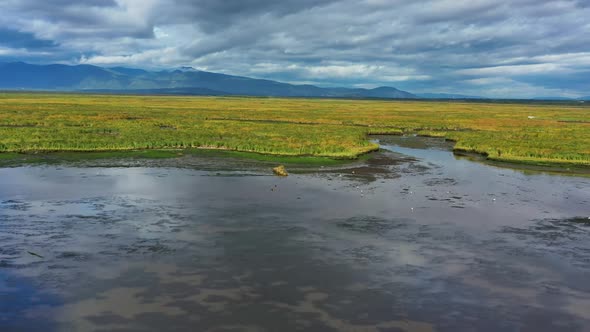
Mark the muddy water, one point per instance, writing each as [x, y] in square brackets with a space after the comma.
[412, 240]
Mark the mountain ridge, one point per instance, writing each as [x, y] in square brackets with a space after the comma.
[447, 96]
[59, 77]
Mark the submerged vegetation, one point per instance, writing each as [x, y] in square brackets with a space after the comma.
[539, 134]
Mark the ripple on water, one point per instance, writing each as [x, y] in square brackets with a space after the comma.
[372, 225]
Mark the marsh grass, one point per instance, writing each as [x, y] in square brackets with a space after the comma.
[158, 126]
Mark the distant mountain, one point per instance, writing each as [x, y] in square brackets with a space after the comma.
[554, 98]
[129, 71]
[585, 98]
[20, 75]
[186, 80]
[447, 96]
[170, 91]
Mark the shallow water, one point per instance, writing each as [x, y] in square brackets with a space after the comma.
[429, 243]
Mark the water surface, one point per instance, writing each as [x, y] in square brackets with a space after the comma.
[414, 240]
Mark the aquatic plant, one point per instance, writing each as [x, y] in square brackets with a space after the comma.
[280, 171]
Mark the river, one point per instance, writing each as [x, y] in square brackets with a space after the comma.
[413, 239]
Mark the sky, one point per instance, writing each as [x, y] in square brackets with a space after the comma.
[490, 48]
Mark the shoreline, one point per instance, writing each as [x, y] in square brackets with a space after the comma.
[17, 159]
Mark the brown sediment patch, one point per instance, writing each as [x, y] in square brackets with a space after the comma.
[218, 300]
[310, 306]
[386, 158]
[171, 274]
[526, 295]
[124, 302]
[379, 165]
[576, 302]
[434, 182]
[118, 307]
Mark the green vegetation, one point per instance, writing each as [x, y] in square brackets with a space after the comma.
[146, 125]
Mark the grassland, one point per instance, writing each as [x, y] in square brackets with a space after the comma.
[537, 134]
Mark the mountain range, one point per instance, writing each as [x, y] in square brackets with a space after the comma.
[447, 96]
[554, 98]
[185, 80]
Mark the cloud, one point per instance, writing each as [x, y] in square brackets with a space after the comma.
[529, 69]
[16, 39]
[432, 45]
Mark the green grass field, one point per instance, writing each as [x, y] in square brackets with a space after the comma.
[538, 134]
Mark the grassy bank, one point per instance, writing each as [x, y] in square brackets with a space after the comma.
[9, 159]
[558, 134]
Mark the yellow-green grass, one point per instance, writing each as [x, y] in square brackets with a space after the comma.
[33, 122]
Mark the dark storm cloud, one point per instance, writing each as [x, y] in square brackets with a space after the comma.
[16, 39]
[212, 15]
[496, 48]
[60, 10]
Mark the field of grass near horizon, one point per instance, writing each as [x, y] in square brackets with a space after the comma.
[335, 128]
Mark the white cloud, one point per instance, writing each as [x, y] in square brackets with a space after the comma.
[153, 58]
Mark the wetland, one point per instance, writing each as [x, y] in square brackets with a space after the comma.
[410, 238]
